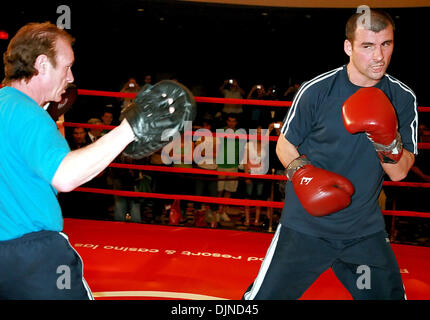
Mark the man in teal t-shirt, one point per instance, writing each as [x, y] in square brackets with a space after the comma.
[32, 149]
[36, 163]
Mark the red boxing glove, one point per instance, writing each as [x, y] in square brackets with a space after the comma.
[321, 192]
[369, 110]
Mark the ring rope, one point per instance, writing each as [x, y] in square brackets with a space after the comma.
[421, 145]
[132, 95]
[196, 171]
[274, 103]
[227, 201]
[241, 175]
[188, 133]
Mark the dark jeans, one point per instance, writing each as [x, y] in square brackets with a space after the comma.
[207, 186]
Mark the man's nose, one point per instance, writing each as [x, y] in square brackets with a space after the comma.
[70, 77]
[378, 54]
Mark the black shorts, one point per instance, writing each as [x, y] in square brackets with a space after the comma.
[366, 266]
[41, 266]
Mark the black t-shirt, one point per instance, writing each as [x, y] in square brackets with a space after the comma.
[314, 124]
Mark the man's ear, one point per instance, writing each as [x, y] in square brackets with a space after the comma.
[41, 64]
[347, 47]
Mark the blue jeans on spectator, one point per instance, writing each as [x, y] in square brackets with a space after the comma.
[127, 205]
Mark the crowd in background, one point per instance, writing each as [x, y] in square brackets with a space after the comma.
[266, 120]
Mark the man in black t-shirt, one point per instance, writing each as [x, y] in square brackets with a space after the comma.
[346, 129]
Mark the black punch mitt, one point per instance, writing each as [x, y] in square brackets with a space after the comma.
[158, 113]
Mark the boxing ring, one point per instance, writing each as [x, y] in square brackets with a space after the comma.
[124, 260]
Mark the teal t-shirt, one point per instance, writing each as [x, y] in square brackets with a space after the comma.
[31, 150]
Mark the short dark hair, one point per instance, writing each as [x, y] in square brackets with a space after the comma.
[107, 110]
[31, 41]
[379, 20]
[233, 116]
[208, 122]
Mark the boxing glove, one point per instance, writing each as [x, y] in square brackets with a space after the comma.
[369, 110]
[321, 192]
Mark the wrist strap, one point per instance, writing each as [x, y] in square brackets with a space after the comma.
[396, 146]
[295, 165]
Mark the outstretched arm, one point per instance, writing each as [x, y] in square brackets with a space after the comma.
[82, 165]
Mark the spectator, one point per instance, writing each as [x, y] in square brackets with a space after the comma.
[411, 198]
[131, 86]
[160, 184]
[230, 89]
[420, 169]
[289, 95]
[73, 203]
[227, 184]
[257, 157]
[271, 114]
[79, 138]
[205, 158]
[147, 79]
[95, 133]
[253, 112]
[272, 93]
[107, 119]
[97, 204]
[291, 91]
[274, 164]
[181, 153]
[126, 208]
